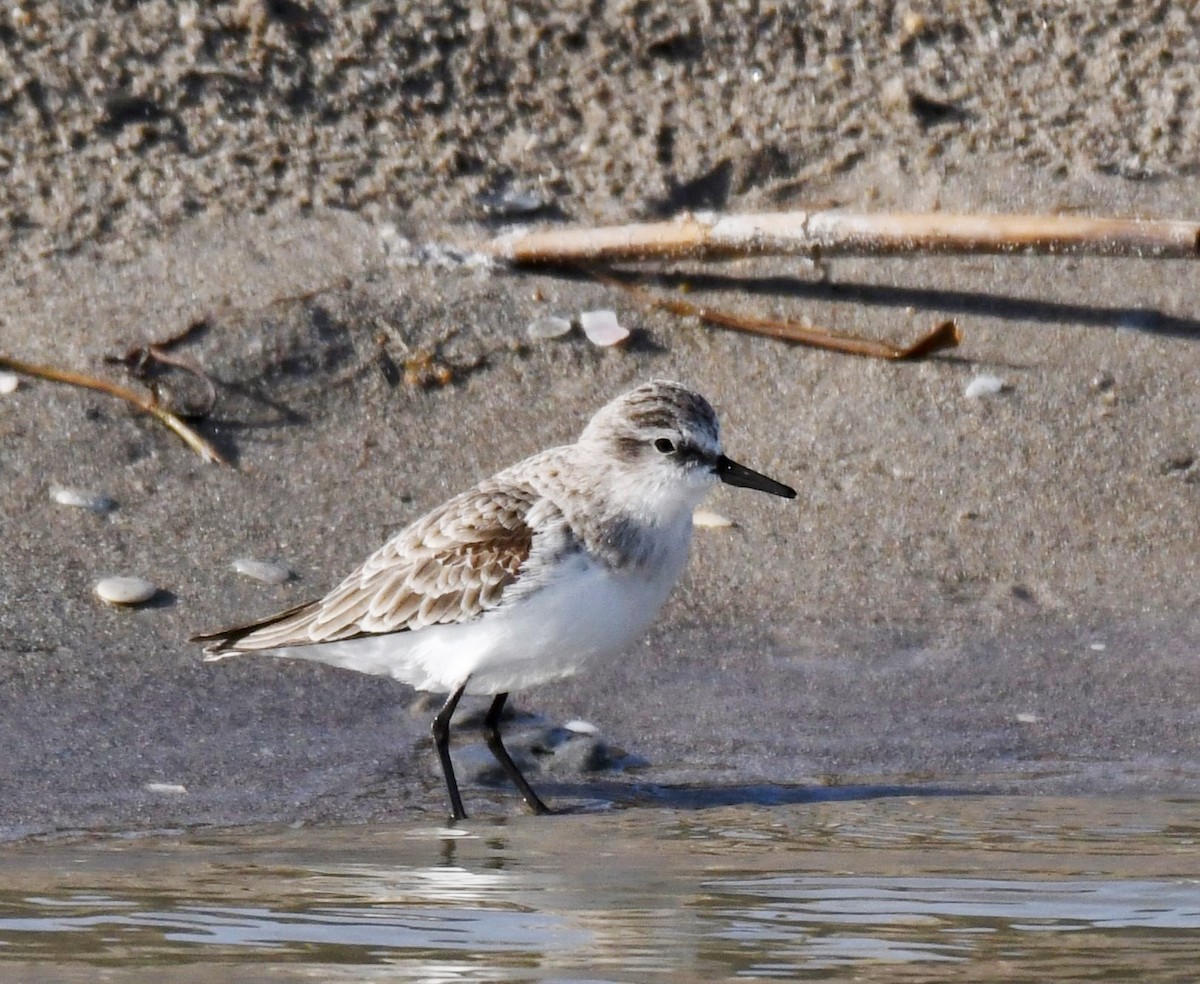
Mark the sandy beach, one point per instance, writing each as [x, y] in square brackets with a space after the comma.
[999, 592]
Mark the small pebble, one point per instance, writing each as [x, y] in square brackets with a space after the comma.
[1027, 718]
[509, 202]
[709, 520]
[125, 590]
[1097, 647]
[80, 499]
[548, 327]
[585, 754]
[984, 385]
[912, 24]
[581, 727]
[166, 787]
[9, 381]
[602, 328]
[262, 570]
[893, 94]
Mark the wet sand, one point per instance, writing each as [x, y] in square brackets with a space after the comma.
[997, 593]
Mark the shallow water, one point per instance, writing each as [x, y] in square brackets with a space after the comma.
[889, 888]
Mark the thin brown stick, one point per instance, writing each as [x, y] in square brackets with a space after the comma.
[138, 358]
[160, 354]
[146, 404]
[838, 233]
[944, 335]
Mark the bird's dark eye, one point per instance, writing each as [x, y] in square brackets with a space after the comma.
[664, 445]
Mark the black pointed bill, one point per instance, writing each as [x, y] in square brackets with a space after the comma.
[731, 473]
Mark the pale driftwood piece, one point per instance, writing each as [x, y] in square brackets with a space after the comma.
[840, 233]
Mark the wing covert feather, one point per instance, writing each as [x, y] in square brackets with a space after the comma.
[451, 565]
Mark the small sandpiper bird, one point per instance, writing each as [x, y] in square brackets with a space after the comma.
[562, 559]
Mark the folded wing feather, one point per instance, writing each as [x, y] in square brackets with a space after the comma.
[451, 565]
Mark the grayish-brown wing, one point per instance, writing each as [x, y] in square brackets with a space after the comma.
[451, 565]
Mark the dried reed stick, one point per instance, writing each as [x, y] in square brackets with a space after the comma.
[840, 233]
[943, 335]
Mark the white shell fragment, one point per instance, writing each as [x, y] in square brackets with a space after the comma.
[602, 328]
[548, 327]
[125, 590]
[581, 727]
[9, 381]
[510, 202]
[402, 252]
[262, 570]
[176, 788]
[81, 499]
[709, 520]
[983, 385]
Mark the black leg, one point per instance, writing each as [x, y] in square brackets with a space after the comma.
[491, 733]
[441, 741]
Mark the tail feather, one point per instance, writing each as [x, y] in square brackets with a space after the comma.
[231, 641]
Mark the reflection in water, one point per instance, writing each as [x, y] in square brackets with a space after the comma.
[992, 888]
[823, 922]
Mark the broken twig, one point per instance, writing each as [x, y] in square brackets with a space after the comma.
[834, 232]
[140, 358]
[146, 404]
[943, 335]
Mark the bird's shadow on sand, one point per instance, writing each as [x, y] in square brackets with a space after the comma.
[700, 796]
